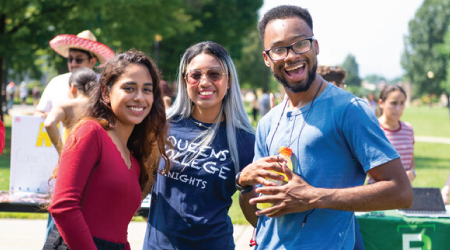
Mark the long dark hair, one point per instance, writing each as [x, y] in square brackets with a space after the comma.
[147, 140]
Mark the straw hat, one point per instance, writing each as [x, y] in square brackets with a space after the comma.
[84, 41]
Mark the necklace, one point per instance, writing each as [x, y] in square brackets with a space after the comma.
[293, 125]
[198, 123]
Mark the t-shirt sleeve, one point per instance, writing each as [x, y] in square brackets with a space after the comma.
[79, 156]
[246, 153]
[365, 138]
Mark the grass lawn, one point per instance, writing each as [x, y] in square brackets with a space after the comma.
[428, 121]
[432, 159]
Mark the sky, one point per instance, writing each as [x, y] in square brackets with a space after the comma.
[372, 31]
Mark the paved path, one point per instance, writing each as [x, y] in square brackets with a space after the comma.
[18, 234]
[21, 110]
[432, 139]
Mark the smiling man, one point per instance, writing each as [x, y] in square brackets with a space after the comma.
[335, 141]
[81, 50]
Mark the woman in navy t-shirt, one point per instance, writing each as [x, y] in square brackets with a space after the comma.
[212, 141]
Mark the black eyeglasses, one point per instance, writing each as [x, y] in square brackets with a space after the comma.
[299, 47]
[194, 76]
[77, 60]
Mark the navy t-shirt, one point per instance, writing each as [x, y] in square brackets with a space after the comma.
[189, 205]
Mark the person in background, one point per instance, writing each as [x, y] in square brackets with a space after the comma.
[81, 50]
[264, 103]
[334, 141]
[400, 134]
[212, 141]
[23, 91]
[167, 94]
[255, 106]
[10, 91]
[81, 83]
[333, 74]
[373, 104]
[107, 161]
[36, 95]
[445, 191]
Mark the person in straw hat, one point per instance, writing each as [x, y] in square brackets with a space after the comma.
[81, 50]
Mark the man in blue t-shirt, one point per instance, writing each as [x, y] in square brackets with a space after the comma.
[335, 140]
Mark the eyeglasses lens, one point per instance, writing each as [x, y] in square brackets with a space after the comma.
[299, 47]
[194, 76]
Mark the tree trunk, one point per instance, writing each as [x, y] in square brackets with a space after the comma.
[2, 68]
[3, 85]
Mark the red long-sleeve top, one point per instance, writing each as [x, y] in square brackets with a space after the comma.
[95, 192]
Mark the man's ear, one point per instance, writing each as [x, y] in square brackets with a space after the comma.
[92, 62]
[316, 43]
[266, 59]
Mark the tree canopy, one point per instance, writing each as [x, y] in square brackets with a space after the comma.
[27, 26]
[423, 49]
[228, 23]
[352, 68]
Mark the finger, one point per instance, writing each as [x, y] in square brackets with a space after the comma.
[274, 158]
[266, 198]
[275, 174]
[288, 172]
[271, 161]
[273, 211]
[268, 190]
[272, 166]
[266, 182]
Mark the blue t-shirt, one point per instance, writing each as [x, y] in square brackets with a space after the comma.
[189, 206]
[341, 140]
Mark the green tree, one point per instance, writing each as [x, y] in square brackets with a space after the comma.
[373, 78]
[423, 61]
[252, 71]
[352, 68]
[26, 27]
[224, 22]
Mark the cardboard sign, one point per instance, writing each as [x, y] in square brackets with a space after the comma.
[33, 156]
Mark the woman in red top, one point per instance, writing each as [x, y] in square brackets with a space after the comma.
[110, 159]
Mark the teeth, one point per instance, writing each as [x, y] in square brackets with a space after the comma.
[296, 67]
[206, 93]
[137, 109]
